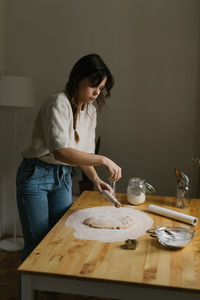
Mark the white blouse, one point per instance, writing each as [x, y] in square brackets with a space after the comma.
[53, 129]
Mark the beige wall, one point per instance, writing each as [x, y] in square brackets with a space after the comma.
[2, 68]
[156, 93]
[2, 35]
[152, 48]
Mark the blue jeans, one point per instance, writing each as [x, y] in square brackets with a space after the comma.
[43, 196]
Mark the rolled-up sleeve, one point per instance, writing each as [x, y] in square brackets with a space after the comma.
[56, 121]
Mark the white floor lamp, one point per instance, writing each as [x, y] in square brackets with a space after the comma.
[15, 92]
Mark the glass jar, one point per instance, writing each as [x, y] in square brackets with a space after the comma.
[136, 191]
[182, 197]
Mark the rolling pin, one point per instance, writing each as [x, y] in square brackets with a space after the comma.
[111, 198]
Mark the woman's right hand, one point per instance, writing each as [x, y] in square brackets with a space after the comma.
[113, 169]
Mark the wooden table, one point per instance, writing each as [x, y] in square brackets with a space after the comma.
[62, 263]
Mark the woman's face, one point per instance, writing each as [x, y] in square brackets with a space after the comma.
[88, 94]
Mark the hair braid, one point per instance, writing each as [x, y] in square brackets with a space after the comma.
[75, 110]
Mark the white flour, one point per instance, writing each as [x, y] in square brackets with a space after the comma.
[82, 231]
[136, 200]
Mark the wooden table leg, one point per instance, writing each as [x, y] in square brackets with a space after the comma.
[27, 292]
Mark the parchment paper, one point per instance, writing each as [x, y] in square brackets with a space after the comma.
[82, 231]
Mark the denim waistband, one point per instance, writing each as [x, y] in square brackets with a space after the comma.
[41, 163]
[58, 169]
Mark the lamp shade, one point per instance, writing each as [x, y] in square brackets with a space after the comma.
[16, 91]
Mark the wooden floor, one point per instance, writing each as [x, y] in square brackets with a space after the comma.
[9, 281]
[8, 275]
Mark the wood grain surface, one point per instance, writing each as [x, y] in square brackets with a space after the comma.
[61, 254]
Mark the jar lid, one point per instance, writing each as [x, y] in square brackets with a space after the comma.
[136, 180]
[140, 181]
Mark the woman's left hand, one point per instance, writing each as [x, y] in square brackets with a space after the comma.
[101, 185]
[93, 176]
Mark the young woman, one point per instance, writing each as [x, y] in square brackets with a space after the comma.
[63, 135]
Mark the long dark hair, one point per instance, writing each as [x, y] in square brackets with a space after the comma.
[95, 70]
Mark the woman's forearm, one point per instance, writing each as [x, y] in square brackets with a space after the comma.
[90, 172]
[77, 158]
